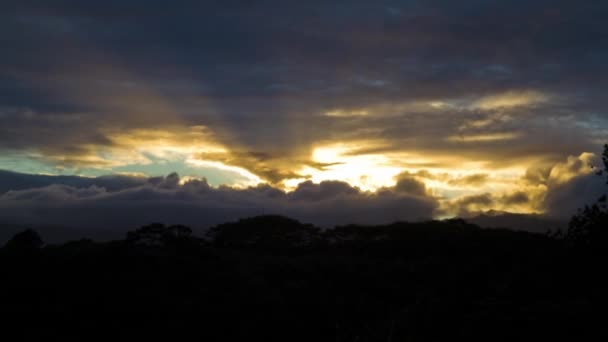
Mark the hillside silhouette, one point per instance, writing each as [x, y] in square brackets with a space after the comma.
[274, 278]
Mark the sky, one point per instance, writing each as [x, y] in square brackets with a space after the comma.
[329, 111]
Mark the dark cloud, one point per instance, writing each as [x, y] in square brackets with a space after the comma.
[324, 190]
[262, 164]
[518, 197]
[259, 74]
[90, 204]
[563, 200]
[480, 204]
[473, 180]
[410, 185]
[473, 204]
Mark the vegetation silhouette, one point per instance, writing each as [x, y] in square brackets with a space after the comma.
[26, 241]
[273, 278]
[157, 234]
[265, 232]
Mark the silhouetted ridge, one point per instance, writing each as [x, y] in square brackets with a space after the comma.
[26, 241]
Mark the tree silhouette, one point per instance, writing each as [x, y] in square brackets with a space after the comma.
[150, 235]
[157, 234]
[179, 232]
[270, 231]
[27, 240]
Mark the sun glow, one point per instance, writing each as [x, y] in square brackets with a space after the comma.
[450, 180]
[341, 162]
[456, 182]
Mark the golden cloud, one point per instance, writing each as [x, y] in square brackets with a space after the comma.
[487, 137]
[511, 99]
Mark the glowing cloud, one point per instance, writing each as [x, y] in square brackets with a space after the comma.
[343, 162]
[469, 138]
[251, 179]
[510, 99]
[346, 113]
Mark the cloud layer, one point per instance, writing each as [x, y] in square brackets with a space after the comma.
[117, 203]
[471, 99]
[127, 202]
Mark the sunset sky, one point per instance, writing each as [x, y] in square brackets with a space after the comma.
[332, 111]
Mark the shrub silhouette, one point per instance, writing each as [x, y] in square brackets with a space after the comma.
[149, 235]
[157, 234]
[590, 225]
[267, 232]
[178, 232]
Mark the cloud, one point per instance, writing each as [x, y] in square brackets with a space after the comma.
[563, 200]
[510, 99]
[122, 202]
[516, 198]
[572, 185]
[473, 205]
[351, 60]
[575, 166]
[483, 137]
[90, 204]
[476, 179]
[488, 87]
[557, 191]
[410, 185]
[270, 168]
[324, 190]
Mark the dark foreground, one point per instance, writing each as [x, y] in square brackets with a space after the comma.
[270, 278]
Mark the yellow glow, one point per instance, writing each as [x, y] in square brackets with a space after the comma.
[510, 99]
[329, 154]
[340, 112]
[438, 104]
[447, 181]
[292, 184]
[251, 178]
[147, 146]
[573, 167]
[165, 144]
[366, 171]
[356, 163]
[184, 144]
[483, 137]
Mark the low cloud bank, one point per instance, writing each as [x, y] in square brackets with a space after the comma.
[122, 202]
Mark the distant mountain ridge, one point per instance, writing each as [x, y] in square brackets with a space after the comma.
[534, 223]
